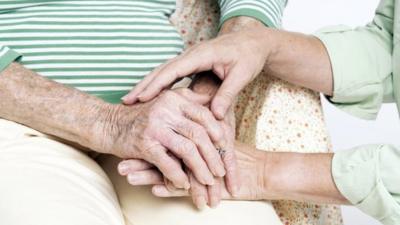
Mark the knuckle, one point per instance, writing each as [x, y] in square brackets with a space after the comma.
[227, 96]
[230, 158]
[169, 94]
[188, 149]
[219, 136]
[199, 133]
[203, 113]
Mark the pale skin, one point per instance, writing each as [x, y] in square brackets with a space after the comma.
[154, 131]
[207, 84]
[166, 130]
[237, 58]
[264, 176]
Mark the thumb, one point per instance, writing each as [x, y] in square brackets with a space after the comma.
[226, 94]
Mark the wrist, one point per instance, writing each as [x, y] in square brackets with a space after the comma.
[108, 127]
[270, 180]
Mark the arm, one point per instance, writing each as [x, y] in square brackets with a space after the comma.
[49, 107]
[236, 15]
[351, 65]
[143, 131]
[208, 84]
[268, 176]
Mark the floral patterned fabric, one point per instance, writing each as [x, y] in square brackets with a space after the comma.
[270, 114]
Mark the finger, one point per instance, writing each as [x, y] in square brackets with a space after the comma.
[133, 165]
[198, 135]
[203, 116]
[214, 193]
[227, 93]
[162, 191]
[145, 177]
[192, 96]
[192, 62]
[232, 181]
[132, 96]
[198, 192]
[186, 150]
[168, 184]
[168, 167]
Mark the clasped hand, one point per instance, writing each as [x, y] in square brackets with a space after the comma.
[178, 135]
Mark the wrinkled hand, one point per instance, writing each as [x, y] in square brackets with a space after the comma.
[236, 58]
[212, 194]
[169, 126]
[251, 167]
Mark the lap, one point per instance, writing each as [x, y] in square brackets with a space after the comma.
[46, 182]
[140, 207]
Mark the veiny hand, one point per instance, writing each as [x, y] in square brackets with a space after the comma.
[212, 194]
[237, 58]
[251, 170]
[168, 126]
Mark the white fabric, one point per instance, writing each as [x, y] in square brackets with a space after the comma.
[45, 182]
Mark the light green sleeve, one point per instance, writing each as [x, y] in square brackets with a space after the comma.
[369, 177]
[7, 56]
[268, 12]
[361, 61]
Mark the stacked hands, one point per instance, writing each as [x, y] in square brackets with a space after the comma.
[180, 134]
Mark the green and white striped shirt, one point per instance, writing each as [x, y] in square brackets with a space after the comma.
[102, 47]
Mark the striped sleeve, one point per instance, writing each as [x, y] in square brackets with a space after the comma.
[7, 56]
[268, 12]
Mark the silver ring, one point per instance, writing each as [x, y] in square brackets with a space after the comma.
[221, 152]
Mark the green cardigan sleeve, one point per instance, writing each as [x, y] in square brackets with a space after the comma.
[368, 176]
[361, 62]
[361, 59]
[268, 12]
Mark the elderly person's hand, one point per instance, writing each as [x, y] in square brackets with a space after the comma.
[168, 125]
[251, 170]
[236, 58]
[202, 193]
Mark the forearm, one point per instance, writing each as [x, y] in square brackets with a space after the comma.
[299, 59]
[47, 106]
[300, 177]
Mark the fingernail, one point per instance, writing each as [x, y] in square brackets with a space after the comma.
[124, 98]
[220, 171]
[122, 168]
[140, 96]
[219, 110]
[133, 178]
[160, 192]
[186, 186]
[201, 203]
[235, 191]
[214, 202]
[209, 181]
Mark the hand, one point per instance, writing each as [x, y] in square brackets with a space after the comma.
[251, 170]
[236, 58]
[168, 125]
[203, 194]
[211, 195]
